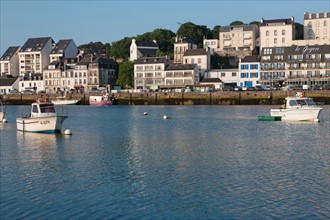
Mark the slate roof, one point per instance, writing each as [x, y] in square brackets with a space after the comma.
[9, 53]
[141, 43]
[195, 52]
[250, 59]
[148, 52]
[275, 21]
[61, 46]
[150, 60]
[105, 63]
[185, 40]
[7, 81]
[180, 67]
[35, 44]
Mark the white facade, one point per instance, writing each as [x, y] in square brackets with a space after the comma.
[226, 75]
[181, 75]
[9, 62]
[212, 44]
[277, 33]
[150, 71]
[137, 47]
[317, 26]
[249, 73]
[32, 82]
[34, 55]
[200, 56]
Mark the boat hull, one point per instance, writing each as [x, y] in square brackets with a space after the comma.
[100, 103]
[269, 118]
[2, 116]
[52, 124]
[299, 114]
[65, 102]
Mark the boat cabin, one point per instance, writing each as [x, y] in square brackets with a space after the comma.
[42, 109]
[294, 102]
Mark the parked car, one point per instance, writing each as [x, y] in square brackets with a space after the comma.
[42, 92]
[14, 91]
[238, 88]
[28, 92]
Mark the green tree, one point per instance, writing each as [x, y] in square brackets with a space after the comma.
[194, 32]
[255, 22]
[215, 32]
[236, 23]
[126, 75]
[120, 49]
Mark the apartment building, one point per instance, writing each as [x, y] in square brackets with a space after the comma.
[295, 65]
[9, 62]
[317, 26]
[149, 72]
[236, 38]
[182, 44]
[140, 49]
[64, 49]
[277, 32]
[34, 55]
[181, 75]
[52, 76]
[31, 81]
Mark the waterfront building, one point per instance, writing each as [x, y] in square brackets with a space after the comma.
[199, 56]
[238, 40]
[181, 75]
[297, 65]
[182, 44]
[8, 83]
[149, 72]
[249, 68]
[63, 49]
[34, 55]
[31, 81]
[9, 62]
[277, 32]
[317, 26]
[52, 76]
[139, 49]
[227, 76]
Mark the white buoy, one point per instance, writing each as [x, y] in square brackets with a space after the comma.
[4, 120]
[145, 113]
[67, 132]
[166, 117]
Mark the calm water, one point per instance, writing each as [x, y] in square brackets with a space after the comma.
[207, 162]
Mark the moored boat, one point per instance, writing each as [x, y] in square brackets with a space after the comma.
[269, 118]
[62, 100]
[43, 118]
[298, 108]
[100, 100]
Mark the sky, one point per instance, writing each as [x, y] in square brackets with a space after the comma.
[108, 21]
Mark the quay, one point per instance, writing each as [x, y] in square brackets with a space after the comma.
[191, 98]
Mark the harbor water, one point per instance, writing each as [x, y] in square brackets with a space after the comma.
[204, 162]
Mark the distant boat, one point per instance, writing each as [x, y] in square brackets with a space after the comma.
[62, 100]
[100, 100]
[298, 108]
[43, 118]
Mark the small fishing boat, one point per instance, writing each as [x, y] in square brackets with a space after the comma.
[43, 118]
[62, 100]
[100, 100]
[298, 108]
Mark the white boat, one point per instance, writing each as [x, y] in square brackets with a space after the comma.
[62, 100]
[43, 118]
[101, 100]
[298, 108]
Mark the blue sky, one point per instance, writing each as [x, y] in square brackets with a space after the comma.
[108, 20]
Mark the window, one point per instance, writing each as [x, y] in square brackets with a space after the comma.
[283, 40]
[233, 74]
[283, 32]
[192, 61]
[275, 32]
[223, 74]
[267, 33]
[199, 60]
[275, 40]
[325, 23]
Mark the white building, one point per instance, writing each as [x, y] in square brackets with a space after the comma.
[139, 49]
[317, 26]
[227, 76]
[277, 32]
[34, 55]
[199, 56]
[32, 81]
[249, 71]
[212, 44]
[8, 83]
[9, 62]
[149, 72]
[180, 47]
